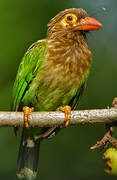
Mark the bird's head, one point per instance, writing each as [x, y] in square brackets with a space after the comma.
[72, 20]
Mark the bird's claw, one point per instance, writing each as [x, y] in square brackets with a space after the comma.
[27, 110]
[67, 111]
[114, 103]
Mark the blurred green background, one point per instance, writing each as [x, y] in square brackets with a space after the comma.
[68, 155]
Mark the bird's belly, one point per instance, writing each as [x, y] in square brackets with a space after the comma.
[52, 100]
[54, 95]
[52, 89]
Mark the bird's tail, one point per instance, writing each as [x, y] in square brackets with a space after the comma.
[28, 156]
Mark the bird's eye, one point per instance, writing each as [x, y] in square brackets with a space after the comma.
[69, 18]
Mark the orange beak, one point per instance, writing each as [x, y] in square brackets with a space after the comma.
[88, 24]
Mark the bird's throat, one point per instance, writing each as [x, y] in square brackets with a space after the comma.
[70, 55]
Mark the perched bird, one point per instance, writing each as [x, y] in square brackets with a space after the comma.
[51, 76]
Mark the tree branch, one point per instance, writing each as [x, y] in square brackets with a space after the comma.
[57, 118]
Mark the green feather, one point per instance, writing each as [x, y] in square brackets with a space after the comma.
[52, 73]
[27, 71]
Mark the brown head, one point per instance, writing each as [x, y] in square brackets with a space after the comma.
[71, 21]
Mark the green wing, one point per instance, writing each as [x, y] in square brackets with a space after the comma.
[27, 71]
[75, 100]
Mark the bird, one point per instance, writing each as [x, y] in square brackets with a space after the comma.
[51, 77]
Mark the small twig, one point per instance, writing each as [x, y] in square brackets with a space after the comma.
[104, 141]
[57, 118]
[107, 138]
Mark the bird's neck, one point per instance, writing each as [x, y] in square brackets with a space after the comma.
[69, 51]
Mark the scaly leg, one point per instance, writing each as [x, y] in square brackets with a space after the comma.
[27, 110]
[67, 111]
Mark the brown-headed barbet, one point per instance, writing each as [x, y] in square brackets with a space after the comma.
[52, 76]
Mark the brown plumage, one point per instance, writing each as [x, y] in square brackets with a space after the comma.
[68, 59]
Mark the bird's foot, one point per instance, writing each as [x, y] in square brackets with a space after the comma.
[27, 110]
[114, 103]
[67, 111]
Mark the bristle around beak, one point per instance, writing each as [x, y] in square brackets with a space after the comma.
[88, 24]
